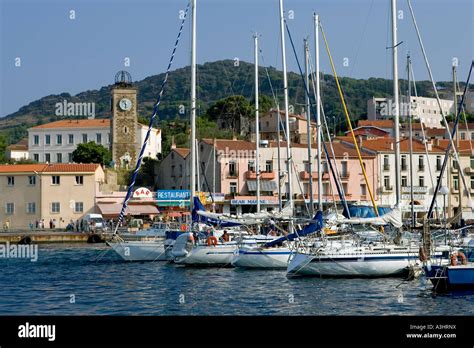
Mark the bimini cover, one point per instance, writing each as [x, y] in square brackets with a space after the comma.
[365, 211]
[314, 226]
[393, 217]
[199, 214]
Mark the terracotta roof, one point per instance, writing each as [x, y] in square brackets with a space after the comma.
[464, 145]
[183, 152]
[376, 123]
[385, 144]
[462, 125]
[22, 145]
[21, 168]
[340, 149]
[435, 131]
[48, 168]
[71, 167]
[76, 123]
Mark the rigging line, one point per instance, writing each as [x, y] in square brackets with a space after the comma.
[362, 37]
[451, 143]
[458, 87]
[348, 121]
[424, 137]
[340, 192]
[150, 125]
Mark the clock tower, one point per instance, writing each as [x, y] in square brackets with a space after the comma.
[124, 121]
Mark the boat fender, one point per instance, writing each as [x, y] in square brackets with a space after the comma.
[422, 254]
[454, 258]
[95, 238]
[211, 241]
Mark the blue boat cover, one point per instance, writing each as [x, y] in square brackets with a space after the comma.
[206, 220]
[314, 226]
[365, 211]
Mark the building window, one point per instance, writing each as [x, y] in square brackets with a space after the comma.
[55, 180]
[59, 139]
[421, 181]
[36, 140]
[79, 180]
[109, 137]
[472, 183]
[70, 138]
[268, 166]
[180, 170]
[456, 182]
[47, 157]
[421, 164]
[98, 137]
[59, 158]
[344, 172]
[325, 167]
[31, 180]
[386, 165]
[9, 208]
[463, 136]
[326, 189]
[78, 207]
[84, 138]
[404, 181]
[69, 157]
[472, 135]
[173, 170]
[472, 161]
[232, 168]
[233, 187]
[10, 180]
[47, 139]
[404, 162]
[55, 207]
[36, 157]
[386, 182]
[251, 166]
[438, 163]
[455, 165]
[31, 208]
[363, 189]
[125, 130]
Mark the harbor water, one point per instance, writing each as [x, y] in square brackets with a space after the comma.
[81, 279]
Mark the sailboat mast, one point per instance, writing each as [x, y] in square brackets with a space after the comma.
[395, 108]
[410, 120]
[193, 102]
[257, 126]
[455, 99]
[287, 120]
[308, 128]
[318, 113]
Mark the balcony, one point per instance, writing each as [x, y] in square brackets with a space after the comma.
[251, 175]
[416, 189]
[363, 197]
[229, 196]
[232, 175]
[469, 171]
[344, 175]
[304, 175]
[386, 167]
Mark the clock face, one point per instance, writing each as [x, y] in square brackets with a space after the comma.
[125, 104]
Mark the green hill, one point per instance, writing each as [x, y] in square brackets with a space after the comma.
[216, 80]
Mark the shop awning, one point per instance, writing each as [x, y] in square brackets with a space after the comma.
[265, 185]
[132, 209]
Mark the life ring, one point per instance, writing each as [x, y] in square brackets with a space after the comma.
[183, 227]
[422, 255]
[191, 237]
[454, 258]
[211, 241]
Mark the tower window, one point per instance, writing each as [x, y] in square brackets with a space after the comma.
[125, 130]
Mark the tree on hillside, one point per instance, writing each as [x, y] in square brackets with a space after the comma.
[91, 153]
[3, 148]
[232, 107]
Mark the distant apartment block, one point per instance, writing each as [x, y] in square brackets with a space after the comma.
[424, 109]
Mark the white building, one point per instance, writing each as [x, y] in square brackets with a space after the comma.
[425, 109]
[17, 151]
[56, 141]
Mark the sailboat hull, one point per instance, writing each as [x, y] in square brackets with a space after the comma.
[276, 258]
[203, 255]
[381, 265]
[140, 250]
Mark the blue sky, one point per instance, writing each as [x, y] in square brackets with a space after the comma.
[63, 55]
